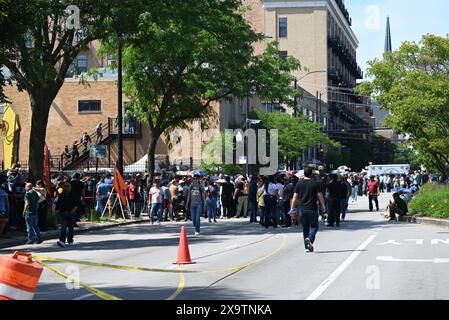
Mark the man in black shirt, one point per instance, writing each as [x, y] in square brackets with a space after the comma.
[307, 194]
[398, 207]
[77, 193]
[66, 205]
[334, 193]
[226, 198]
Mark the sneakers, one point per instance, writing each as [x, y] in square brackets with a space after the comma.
[60, 244]
[159, 223]
[71, 244]
[30, 242]
[309, 245]
[197, 233]
[215, 221]
[39, 242]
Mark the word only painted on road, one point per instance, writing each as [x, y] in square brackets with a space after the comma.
[418, 242]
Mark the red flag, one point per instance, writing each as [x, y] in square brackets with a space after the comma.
[120, 186]
[47, 177]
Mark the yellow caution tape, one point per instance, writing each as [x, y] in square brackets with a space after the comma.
[103, 295]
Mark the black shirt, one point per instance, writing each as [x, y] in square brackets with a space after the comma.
[65, 203]
[335, 190]
[228, 190]
[308, 194]
[77, 188]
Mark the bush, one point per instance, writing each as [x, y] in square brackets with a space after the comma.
[93, 216]
[431, 201]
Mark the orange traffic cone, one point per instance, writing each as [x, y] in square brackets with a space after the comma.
[183, 252]
[19, 277]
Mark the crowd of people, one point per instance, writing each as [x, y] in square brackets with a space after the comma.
[270, 201]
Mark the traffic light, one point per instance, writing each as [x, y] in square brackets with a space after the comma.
[321, 150]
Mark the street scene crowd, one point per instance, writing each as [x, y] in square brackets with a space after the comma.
[270, 201]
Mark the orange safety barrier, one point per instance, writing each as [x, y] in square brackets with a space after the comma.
[183, 252]
[19, 276]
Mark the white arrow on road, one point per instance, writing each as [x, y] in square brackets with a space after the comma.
[391, 259]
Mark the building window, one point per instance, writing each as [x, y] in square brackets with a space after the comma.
[89, 106]
[111, 60]
[282, 27]
[283, 54]
[82, 63]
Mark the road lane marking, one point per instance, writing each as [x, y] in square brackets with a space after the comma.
[84, 296]
[326, 283]
[103, 295]
[181, 285]
[391, 259]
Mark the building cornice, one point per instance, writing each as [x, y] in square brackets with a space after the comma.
[330, 5]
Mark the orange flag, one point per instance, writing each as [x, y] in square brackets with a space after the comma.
[120, 186]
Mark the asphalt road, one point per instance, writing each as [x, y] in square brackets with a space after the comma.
[365, 259]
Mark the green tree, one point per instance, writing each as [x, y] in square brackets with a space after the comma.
[413, 84]
[190, 54]
[43, 43]
[295, 134]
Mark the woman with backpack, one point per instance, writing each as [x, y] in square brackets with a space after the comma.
[211, 200]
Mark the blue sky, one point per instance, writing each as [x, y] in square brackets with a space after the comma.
[409, 19]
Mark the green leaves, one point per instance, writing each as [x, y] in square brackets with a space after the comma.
[413, 84]
[295, 133]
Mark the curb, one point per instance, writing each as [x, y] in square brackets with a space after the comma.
[443, 223]
[54, 234]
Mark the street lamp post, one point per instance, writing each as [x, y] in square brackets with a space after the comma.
[120, 111]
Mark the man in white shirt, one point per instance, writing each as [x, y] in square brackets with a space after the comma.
[155, 198]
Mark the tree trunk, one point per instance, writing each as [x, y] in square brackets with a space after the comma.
[40, 108]
[151, 156]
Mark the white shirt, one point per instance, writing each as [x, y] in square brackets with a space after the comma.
[280, 188]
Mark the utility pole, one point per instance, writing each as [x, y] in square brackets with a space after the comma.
[120, 111]
[296, 99]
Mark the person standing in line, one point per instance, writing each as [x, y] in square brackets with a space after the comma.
[211, 200]
[156, 197]
[307, 195]
[361, 185]
[241, 197]
[30, 214]
[78, 193]
[66, 205]
[196, 201]
[252, 199]
[260, 199]
[287, 197]
[42, 206]
[280, 204]
[271, 199]
[355, 188]
[85, 140]
[102, 194]
[134, 197]
[334, 194]
[167, 203]
[373, 193]
[346, 194]
[74, 152]
[226, 198]
[99, 133]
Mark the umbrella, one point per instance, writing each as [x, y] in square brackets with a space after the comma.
[199, 172]
[286, 173]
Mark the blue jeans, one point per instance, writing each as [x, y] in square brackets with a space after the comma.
[309, 221]
[344, 207]
[156, 207]
[270, 210]
[211, 208]
[355, 192]
[195, 211]
[67, 225]
[33, 228]
[253, 210]
[101, 204]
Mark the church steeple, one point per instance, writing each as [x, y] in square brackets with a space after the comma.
[388, 46]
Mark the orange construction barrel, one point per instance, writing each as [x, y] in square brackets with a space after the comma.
[19, 276]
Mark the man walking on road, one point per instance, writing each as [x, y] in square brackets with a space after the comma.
[373, 193]
[307, 194]
[30, 214]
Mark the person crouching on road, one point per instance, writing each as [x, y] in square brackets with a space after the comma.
[31, 215]
[66, 205]
[397, 207]
[196, 201]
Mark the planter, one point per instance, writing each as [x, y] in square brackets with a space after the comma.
[3, 222]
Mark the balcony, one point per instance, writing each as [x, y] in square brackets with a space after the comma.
[334, 74]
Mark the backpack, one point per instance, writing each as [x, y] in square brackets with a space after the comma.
[196, 194]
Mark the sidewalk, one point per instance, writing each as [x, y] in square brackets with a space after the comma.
[442, 223]
[19, 238]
